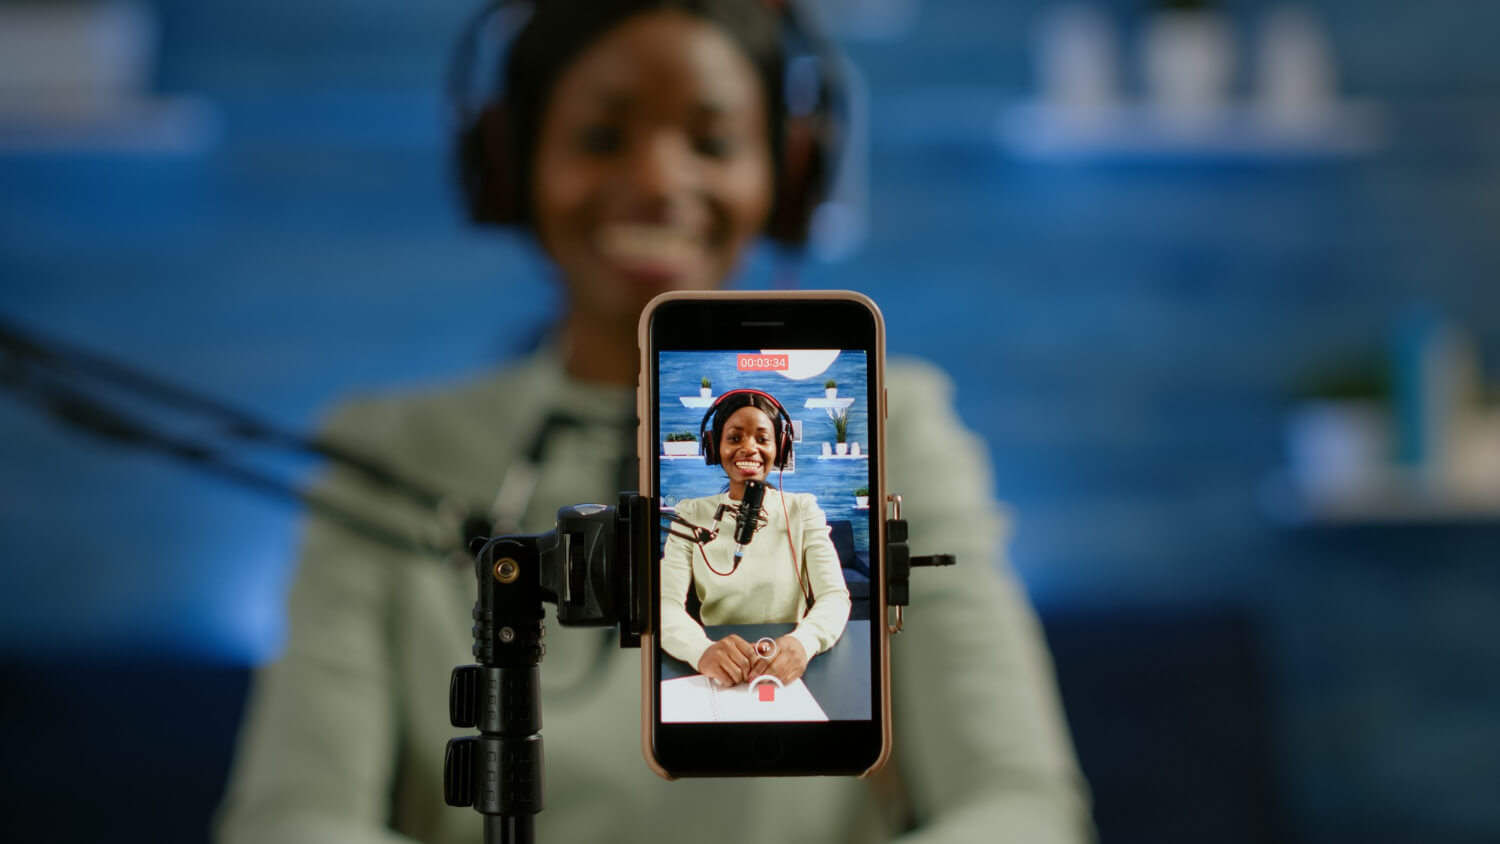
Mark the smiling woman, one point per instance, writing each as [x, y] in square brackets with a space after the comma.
[792, 575]
[645, 144]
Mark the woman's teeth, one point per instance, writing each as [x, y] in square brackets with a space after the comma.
[747, 465]
[643, 242]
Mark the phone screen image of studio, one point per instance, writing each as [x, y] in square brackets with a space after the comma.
[763, 461]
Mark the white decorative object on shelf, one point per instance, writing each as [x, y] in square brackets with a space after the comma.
[1078, 58]
[1187, 62]
[841, 449]
[1295, 78]
[1187, 113]
[680, 448]
[1336, 448]
[77, 77]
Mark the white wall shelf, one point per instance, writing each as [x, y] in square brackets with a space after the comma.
[1127, 133]
[1395, 500]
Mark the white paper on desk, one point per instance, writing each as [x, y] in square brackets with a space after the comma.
[695, 699]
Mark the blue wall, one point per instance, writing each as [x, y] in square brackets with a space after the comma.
[1126, 339]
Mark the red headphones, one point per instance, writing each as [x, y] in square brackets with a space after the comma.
[485, 138]
[782, 423]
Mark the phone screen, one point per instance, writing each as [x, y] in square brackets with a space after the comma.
[806, 569]
[765, 461]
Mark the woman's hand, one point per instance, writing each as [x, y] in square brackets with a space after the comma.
[727, 661]
[786, 664]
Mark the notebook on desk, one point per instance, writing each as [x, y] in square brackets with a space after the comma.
[695, 699]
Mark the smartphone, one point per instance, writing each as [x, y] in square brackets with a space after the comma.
[762, 444]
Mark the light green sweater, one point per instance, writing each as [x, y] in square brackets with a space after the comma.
[343, 737]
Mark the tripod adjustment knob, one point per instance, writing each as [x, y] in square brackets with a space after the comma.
[458, 771]
[463, 698]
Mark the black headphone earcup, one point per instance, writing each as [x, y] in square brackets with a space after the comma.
[704, 434]
[784, 442]
[801, 184]
[486, 167]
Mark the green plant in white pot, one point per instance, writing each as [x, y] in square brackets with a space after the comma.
[840, 418]
[680, 444]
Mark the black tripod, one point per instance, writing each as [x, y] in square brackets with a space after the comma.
[592, 567]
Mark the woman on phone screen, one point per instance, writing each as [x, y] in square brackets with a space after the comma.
[644, 144]
[789, 573]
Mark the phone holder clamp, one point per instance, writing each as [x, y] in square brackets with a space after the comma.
[899, 563]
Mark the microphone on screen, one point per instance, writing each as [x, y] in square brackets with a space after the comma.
[748, 517]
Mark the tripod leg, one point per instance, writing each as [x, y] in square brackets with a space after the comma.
[509, 829]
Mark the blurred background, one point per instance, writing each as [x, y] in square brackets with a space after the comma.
[1219, 284]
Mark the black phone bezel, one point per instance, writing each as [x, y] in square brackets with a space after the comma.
[778, 748]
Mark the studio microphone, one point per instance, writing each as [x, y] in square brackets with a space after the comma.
[748, 517]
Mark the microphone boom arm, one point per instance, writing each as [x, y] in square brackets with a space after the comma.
[89, 393]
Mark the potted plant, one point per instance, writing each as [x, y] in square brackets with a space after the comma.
[831, 390]
[840, 418]
[706, 388]
[681, 444]
[1340, 438]
[862, 498]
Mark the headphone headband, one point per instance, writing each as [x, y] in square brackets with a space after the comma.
[783, 440]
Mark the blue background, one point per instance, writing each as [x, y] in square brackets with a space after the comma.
[833, 481]
[1126, 338]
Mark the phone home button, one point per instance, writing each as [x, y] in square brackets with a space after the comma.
[767, 749]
